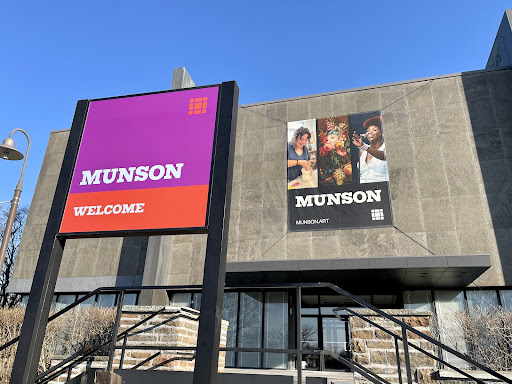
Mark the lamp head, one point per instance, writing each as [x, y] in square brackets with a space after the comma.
[8, 152]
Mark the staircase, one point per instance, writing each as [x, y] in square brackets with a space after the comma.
[404, 345]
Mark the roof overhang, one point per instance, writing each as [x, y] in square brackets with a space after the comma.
[364, 275]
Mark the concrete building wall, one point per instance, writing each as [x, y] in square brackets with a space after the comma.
[501, 53]
[437, 188]
[448, 151]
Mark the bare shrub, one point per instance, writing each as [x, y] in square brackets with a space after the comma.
[10, 327]
[488, 334]
[65, 335]
[10, 299]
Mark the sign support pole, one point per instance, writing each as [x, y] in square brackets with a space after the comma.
[210, 318]
[38, 307]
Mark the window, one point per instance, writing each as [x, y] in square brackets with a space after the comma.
[482, 300]
[418, 300]
[181, 299]
[251, 312]
[447, 304]
[106, 300]
[229, 313]
[506, 299]
[276, 328]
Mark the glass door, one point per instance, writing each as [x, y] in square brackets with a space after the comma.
[335, 339]
[309, 340]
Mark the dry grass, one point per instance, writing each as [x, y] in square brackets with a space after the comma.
[64, 336]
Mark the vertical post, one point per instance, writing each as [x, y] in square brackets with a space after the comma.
[38, 307]
[208, 339]
[406, 355]
[397, 352]
[298, 340]
[125, 340]
[113, 343]
[8, 225]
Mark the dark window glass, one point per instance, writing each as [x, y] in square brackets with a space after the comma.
[276, 328]
[251, 313]
[229, 313]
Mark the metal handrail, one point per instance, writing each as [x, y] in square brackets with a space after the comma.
[98, 290]
[398, 338]
[351, 364]
[406, 327]
[88, 350]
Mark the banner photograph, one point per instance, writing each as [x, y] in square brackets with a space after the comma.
[144, 163]
[337, 173]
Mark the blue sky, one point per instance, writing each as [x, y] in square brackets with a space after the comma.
[54, 53]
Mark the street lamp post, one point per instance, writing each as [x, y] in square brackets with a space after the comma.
[8, 152]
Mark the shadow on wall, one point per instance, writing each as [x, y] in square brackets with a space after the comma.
[489, 100]
[131, 261]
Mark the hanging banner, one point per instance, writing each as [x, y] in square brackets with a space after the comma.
[337, 173]
[144, 163]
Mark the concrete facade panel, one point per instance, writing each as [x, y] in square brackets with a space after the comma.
[432, 182]
[462, 179]
[367, 100]
[320, 106]
[395, 124]
[343, 103]
[414, 243]
[423, 122]
[446, 91]
[419, 95]
[451, 118]
[298, 110]
[403, 183]
[427, 152]
[457, 148]
[392, 99]
[407, 213]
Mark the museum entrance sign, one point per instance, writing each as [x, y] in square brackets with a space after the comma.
[143, 163]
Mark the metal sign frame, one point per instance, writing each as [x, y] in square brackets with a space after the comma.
[217, 226]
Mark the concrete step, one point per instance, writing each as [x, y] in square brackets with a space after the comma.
[324, 377]
[230, 376]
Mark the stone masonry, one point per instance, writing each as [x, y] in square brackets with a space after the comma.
[174, 327]
[375, 349]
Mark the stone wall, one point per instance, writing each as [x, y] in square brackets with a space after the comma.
[174, 327]
[375, 349]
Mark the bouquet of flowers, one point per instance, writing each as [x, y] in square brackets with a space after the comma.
[334, 151]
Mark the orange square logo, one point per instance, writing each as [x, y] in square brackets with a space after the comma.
[197, 105]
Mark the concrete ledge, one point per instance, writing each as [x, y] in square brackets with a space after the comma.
[392, 312]
[447, 374]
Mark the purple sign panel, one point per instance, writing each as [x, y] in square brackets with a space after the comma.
[144, 163]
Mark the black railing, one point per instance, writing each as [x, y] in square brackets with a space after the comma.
[68, 364]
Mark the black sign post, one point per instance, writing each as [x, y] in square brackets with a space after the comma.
[39, 301]
[210, 318]
[38, 307]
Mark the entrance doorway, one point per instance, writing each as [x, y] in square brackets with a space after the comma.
[320, 329]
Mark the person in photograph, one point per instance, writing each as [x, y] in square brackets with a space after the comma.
[373, 166]
[298, 153]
